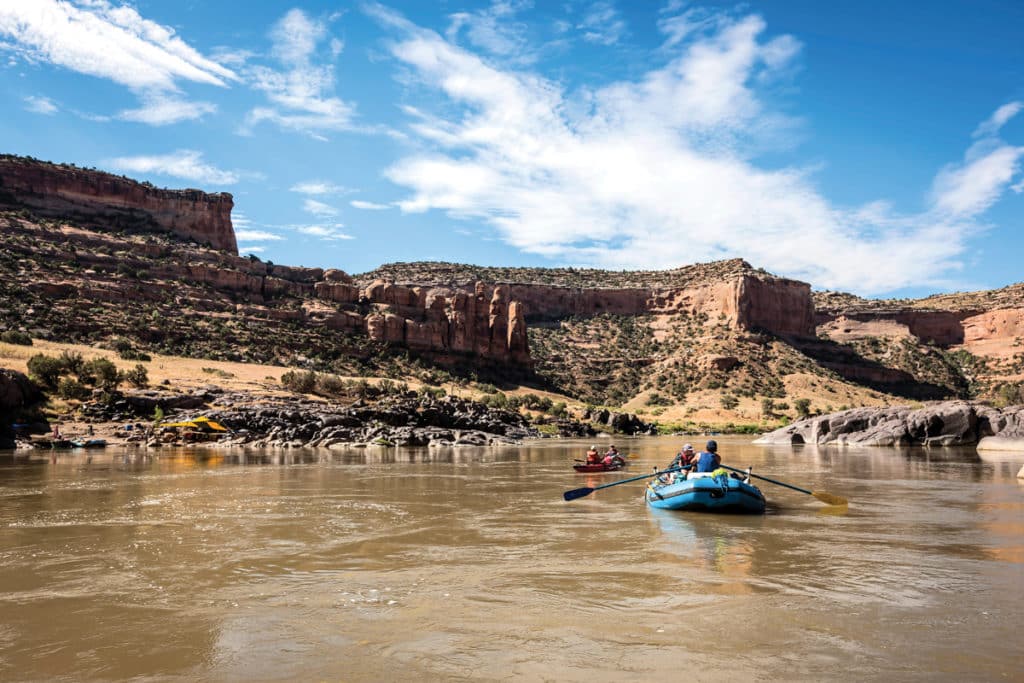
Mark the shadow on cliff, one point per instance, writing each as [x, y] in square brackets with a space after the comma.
[853, 367]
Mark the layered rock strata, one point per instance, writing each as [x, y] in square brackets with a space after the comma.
[741, 297]
[61, 191]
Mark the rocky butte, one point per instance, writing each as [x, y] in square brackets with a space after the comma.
[114, 202]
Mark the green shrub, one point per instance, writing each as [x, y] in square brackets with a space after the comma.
[299, 381]
[137, 376]
[729, 401]
[330, 385]
[72, 389]
[802, 407]
[72, 361]
[102, 371]
[16, 337]
[45, 369]
[557, 409]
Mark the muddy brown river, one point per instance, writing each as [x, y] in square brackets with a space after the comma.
[468, 565]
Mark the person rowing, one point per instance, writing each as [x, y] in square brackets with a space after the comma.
[593, 457]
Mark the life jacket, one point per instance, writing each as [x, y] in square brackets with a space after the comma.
[593, 456]
[706, 462]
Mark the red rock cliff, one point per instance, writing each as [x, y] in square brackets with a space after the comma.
[108, 200]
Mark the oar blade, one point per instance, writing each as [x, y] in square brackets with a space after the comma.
[829, 498]
[577, 493]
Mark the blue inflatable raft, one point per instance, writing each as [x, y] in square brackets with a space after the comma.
[707, 494]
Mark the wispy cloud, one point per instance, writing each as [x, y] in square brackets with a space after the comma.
[184, 163]
[161, 110]
[113, 42]
[989, 166]
[494, 29]
[301, 93]
[40, 105]
[319, 187]
[325, 232]
[602, 24]
[319, 208]
[256, 235]
[368, 206]
[658, 171]
[1000, 116]
[251, 250]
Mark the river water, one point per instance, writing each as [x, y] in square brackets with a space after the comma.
[468, 565]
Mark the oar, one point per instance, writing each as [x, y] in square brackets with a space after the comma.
[587, 490]
[824, 497]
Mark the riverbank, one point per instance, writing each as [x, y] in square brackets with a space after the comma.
[946, 423]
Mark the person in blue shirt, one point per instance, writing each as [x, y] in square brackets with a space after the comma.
[708, 460]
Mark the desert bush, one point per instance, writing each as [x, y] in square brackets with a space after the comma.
[102, 372]
[802, 407]
[329, 385]
[299, 381]
[45, 369]
[69, 388]
[137, 376]
[16, 337]
[728, 401]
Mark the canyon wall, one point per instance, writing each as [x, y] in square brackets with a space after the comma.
[111, 201]
[746, 302]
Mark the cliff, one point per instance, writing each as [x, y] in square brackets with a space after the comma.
[76, 283]
[113, 202]
[748, 299]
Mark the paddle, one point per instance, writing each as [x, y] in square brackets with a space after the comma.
[824, 497]
[587, 490]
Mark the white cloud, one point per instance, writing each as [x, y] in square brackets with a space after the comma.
[251, 250]
[368, 206]
[999, 118]
[493, 29]
[40, 105]
[184, 163]
[160, 110]
[318, 187]
[658, 172]
[301, 94]
[602, 24]
[319, 208]
[255, 235]
[969, 189]
[325, 232]
[96, 38]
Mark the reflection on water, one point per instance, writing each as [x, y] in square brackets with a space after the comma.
[466, 564]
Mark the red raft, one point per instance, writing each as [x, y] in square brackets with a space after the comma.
[600, 467]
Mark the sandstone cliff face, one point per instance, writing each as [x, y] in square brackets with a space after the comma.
[996, 333]
[112, 201]
[443, 322]
[775, 305]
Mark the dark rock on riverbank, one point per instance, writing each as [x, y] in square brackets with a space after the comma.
[410, 420]
[949, 423]
[623, 423]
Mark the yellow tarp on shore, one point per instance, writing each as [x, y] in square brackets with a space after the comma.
[198, 423]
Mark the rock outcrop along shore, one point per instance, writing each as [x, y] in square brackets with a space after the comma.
[949, 423]
[407, 419]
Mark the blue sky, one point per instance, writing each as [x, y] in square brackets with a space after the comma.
[869, 147]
